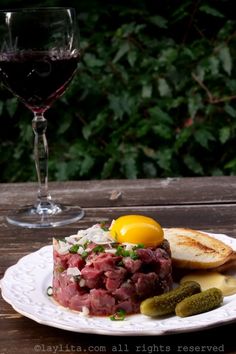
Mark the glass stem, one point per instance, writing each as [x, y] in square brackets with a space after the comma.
[39, 125]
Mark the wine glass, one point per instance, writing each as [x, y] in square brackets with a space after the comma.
[38, 58]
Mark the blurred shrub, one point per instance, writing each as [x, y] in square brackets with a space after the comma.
[155, 95]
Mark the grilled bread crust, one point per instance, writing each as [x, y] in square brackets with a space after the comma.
[192, 249]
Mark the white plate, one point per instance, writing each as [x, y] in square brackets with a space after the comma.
[25, 284]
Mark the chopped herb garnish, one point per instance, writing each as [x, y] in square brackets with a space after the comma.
[98, 249]
[85, 244]
[133, 255]
[84, 254]
[120, 251]
[118, 316]
[104, 226]
[139, 245]
[60, 269]
[116, 236]
[76, 278]
[74, 248]
[49, 291]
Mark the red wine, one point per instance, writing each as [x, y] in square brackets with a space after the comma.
[37, 78]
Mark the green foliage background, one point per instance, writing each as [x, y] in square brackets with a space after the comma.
[155, 95]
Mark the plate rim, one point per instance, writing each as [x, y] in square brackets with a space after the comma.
[116, 331]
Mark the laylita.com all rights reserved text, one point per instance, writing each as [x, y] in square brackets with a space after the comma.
[125, 348]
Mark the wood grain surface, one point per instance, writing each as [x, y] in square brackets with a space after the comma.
[207, 203]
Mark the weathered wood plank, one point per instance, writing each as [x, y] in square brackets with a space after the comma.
[128, 192]
[54, 340]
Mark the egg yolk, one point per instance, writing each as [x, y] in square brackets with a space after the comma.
[137, 229]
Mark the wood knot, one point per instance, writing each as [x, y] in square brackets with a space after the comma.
[115, 195]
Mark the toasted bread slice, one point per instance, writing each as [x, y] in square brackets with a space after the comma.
[193, 249]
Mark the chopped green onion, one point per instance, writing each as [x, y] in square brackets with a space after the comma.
[120, 251]
[98, 249]
[85, 244]
[59, 269]
[104, 226]
[49, 291]
[139, 245]
[76, 278]
[118, 316]
[74, 248]
[84, 254]
[133, 255]
[116, 236]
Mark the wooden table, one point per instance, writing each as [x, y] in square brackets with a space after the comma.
[207, 203]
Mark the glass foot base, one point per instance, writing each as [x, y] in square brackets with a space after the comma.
[42, 216]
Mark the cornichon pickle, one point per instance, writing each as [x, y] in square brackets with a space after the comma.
[198, 303]
[165, 304]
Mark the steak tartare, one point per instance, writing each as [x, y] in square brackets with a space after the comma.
[97, 276]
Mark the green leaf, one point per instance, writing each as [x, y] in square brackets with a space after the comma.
[87, 131]
[211, 11]
[203, 137]
[214, 65]
[61, 173]
[168, 56]
[217, 172]
[124, 48]
[26, 133]
[231, 165]
[132, 57]
[226, 60]
[163, 131]
[200, 72]
[224, 134]
[183, 137]
[230, 110]
[95, 125]
[163, 87]
[121, 104]
[158, 21]
[86, 165]
[147, 90]
[181, 11]
[130, 166]
[194, 104]
[108, 167]
[65, 125]
[1, 107]
[164, 158]
[149, 170]
[91, 60]
[193, 164]
[11, 106]
[231, 84]
[226, 31]
[158, 115]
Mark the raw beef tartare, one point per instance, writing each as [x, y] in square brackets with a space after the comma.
[96, 275]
